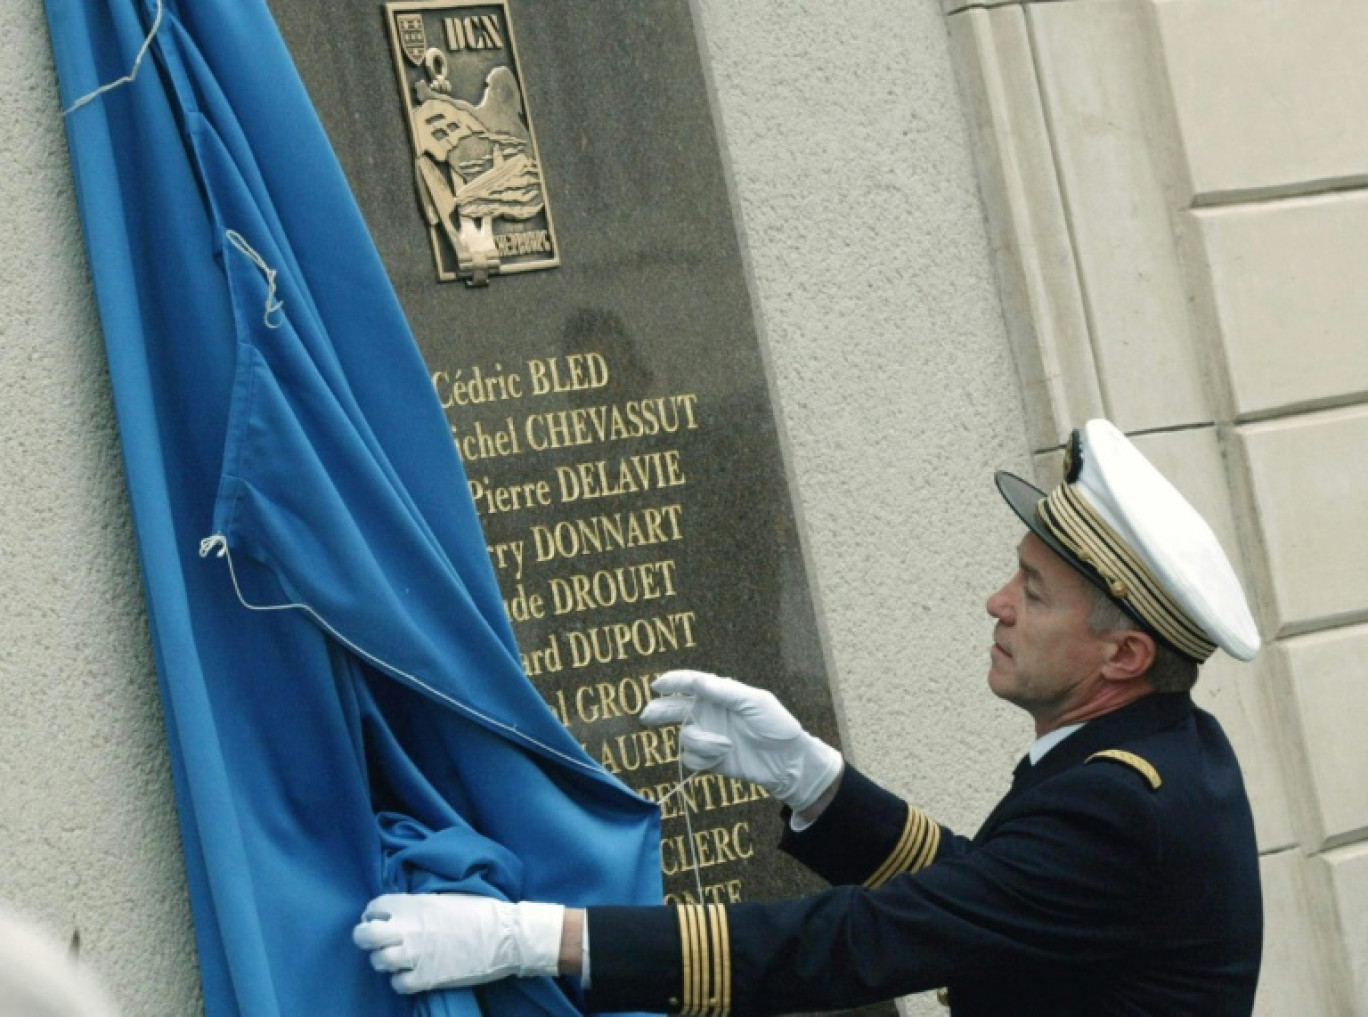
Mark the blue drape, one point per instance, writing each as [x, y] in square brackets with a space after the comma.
[367, 727]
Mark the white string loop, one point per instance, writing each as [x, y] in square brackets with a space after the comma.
[274, 305]
[687, 808]
[688, 824]
[127, 78]
[218, 542]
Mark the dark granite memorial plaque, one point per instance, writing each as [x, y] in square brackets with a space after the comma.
[611, 406]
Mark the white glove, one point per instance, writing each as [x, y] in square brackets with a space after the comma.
[743, 732]
[450, 940]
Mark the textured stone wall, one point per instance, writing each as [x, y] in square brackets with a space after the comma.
[86, 810]
[872, 278]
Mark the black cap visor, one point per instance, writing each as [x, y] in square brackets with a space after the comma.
[1023, 498]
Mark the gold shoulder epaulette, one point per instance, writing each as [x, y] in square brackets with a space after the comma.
[1134, 762]
[915, 850]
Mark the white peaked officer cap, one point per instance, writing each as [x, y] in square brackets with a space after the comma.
[1118, 521]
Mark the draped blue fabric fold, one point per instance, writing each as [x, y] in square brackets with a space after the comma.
[368, 728]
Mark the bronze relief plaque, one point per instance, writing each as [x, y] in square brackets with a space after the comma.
[476, 168]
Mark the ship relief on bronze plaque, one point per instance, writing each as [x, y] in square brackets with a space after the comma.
[481, 193]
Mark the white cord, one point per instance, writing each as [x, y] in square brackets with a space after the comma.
[220, 543]
[688, 828]
[127, 78]
[687, 809]
[274, 305]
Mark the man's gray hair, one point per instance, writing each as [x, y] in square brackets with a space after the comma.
[1170, 672]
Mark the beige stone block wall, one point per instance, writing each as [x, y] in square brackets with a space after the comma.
[1347, 872]
[1114, 157]
[1309, 491]
[1290, 319]
[91, 845]
[1267, 94]
[1037, 272]
[1323, 699]
[1309, 978]
[1207, 161]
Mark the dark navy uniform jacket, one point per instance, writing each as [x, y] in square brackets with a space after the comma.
[1118, 876]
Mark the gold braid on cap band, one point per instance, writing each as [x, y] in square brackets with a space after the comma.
[1079, 527]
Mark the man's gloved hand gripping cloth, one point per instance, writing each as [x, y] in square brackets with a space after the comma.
[373, 730]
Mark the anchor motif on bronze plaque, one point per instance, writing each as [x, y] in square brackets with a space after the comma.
[475, 162]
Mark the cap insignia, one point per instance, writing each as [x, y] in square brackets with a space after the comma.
[1073, 457]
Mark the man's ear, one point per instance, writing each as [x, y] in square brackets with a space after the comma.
[1132, 655]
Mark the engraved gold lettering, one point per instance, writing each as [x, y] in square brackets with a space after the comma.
[560, 708]
[587, 425]
[489, 26]
[520, 242]
[627, 584]
[546, 660]
[506, 554]
[473, 33]
[715, 846]
[457, 388]
[574, 373]
[726, 892]
[482, 443]
[627, 753]
[493, 498]
[605, 700]
[643, 637]
[617, 531]
[523, 606]
[704, 792]
[634, 474]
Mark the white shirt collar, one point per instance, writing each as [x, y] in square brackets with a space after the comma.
[1046, 742]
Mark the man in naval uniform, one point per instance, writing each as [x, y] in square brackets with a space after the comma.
[1118, 876]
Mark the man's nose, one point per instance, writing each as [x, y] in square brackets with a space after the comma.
[999, 606]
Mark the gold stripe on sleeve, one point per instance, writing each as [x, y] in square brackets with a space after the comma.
[890, 865]
[929, 848]
[915, 850]
[689, 960]
[718, 951]
[725, 988]
[706, 974]
[702, 961]
[706, 960]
